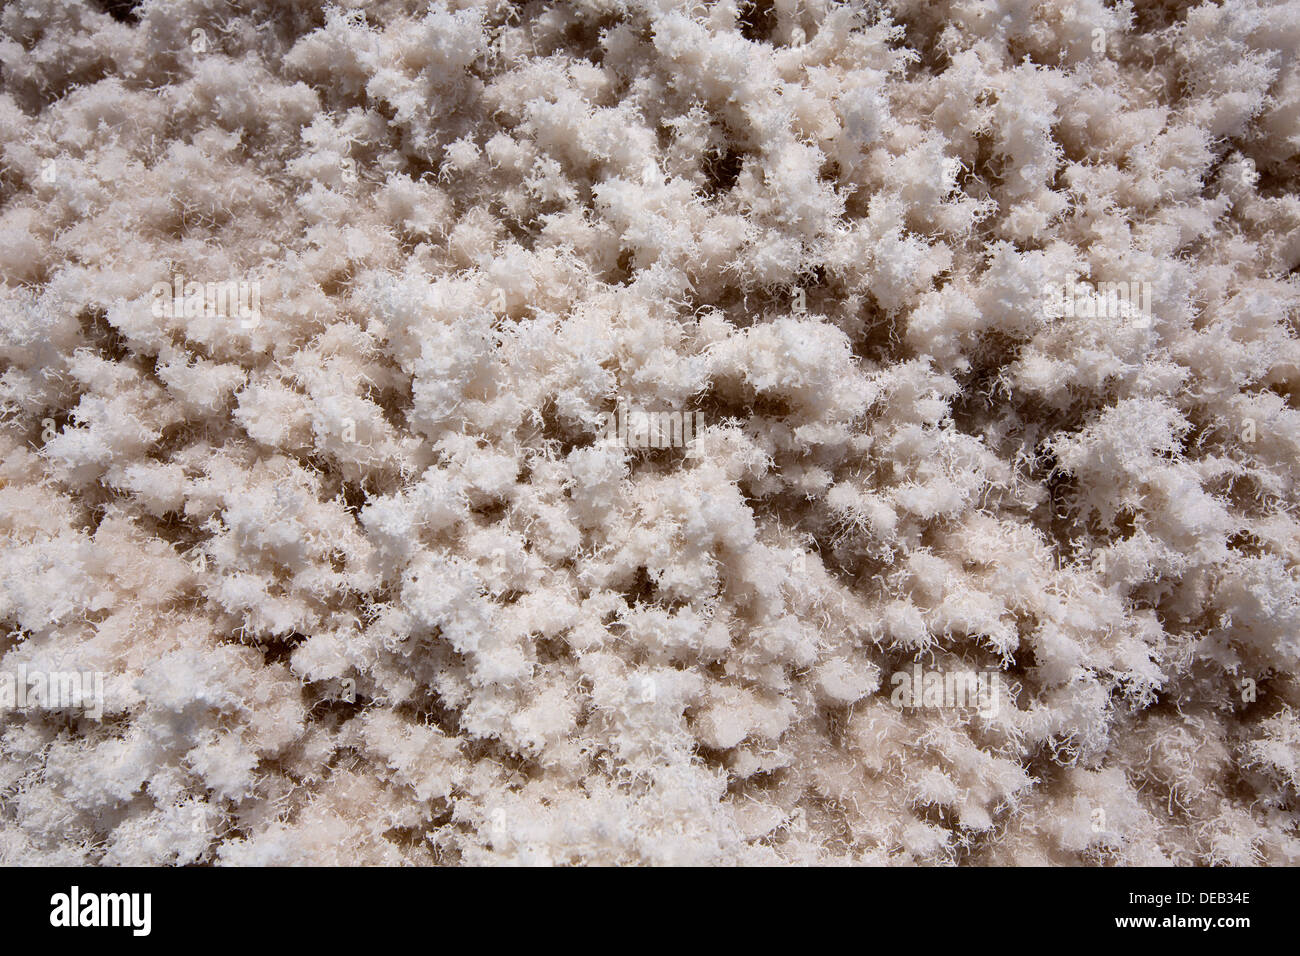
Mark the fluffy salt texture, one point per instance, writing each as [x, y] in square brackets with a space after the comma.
[369, 585]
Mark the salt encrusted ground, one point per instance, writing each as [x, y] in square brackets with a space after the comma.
[364, 579]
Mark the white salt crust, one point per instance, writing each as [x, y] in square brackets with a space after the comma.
[365, 581]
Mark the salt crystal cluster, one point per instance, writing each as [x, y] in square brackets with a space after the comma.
[368, 578]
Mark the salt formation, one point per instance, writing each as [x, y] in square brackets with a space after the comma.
[369, 580]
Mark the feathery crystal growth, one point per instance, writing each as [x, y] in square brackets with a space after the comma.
[649, 432]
